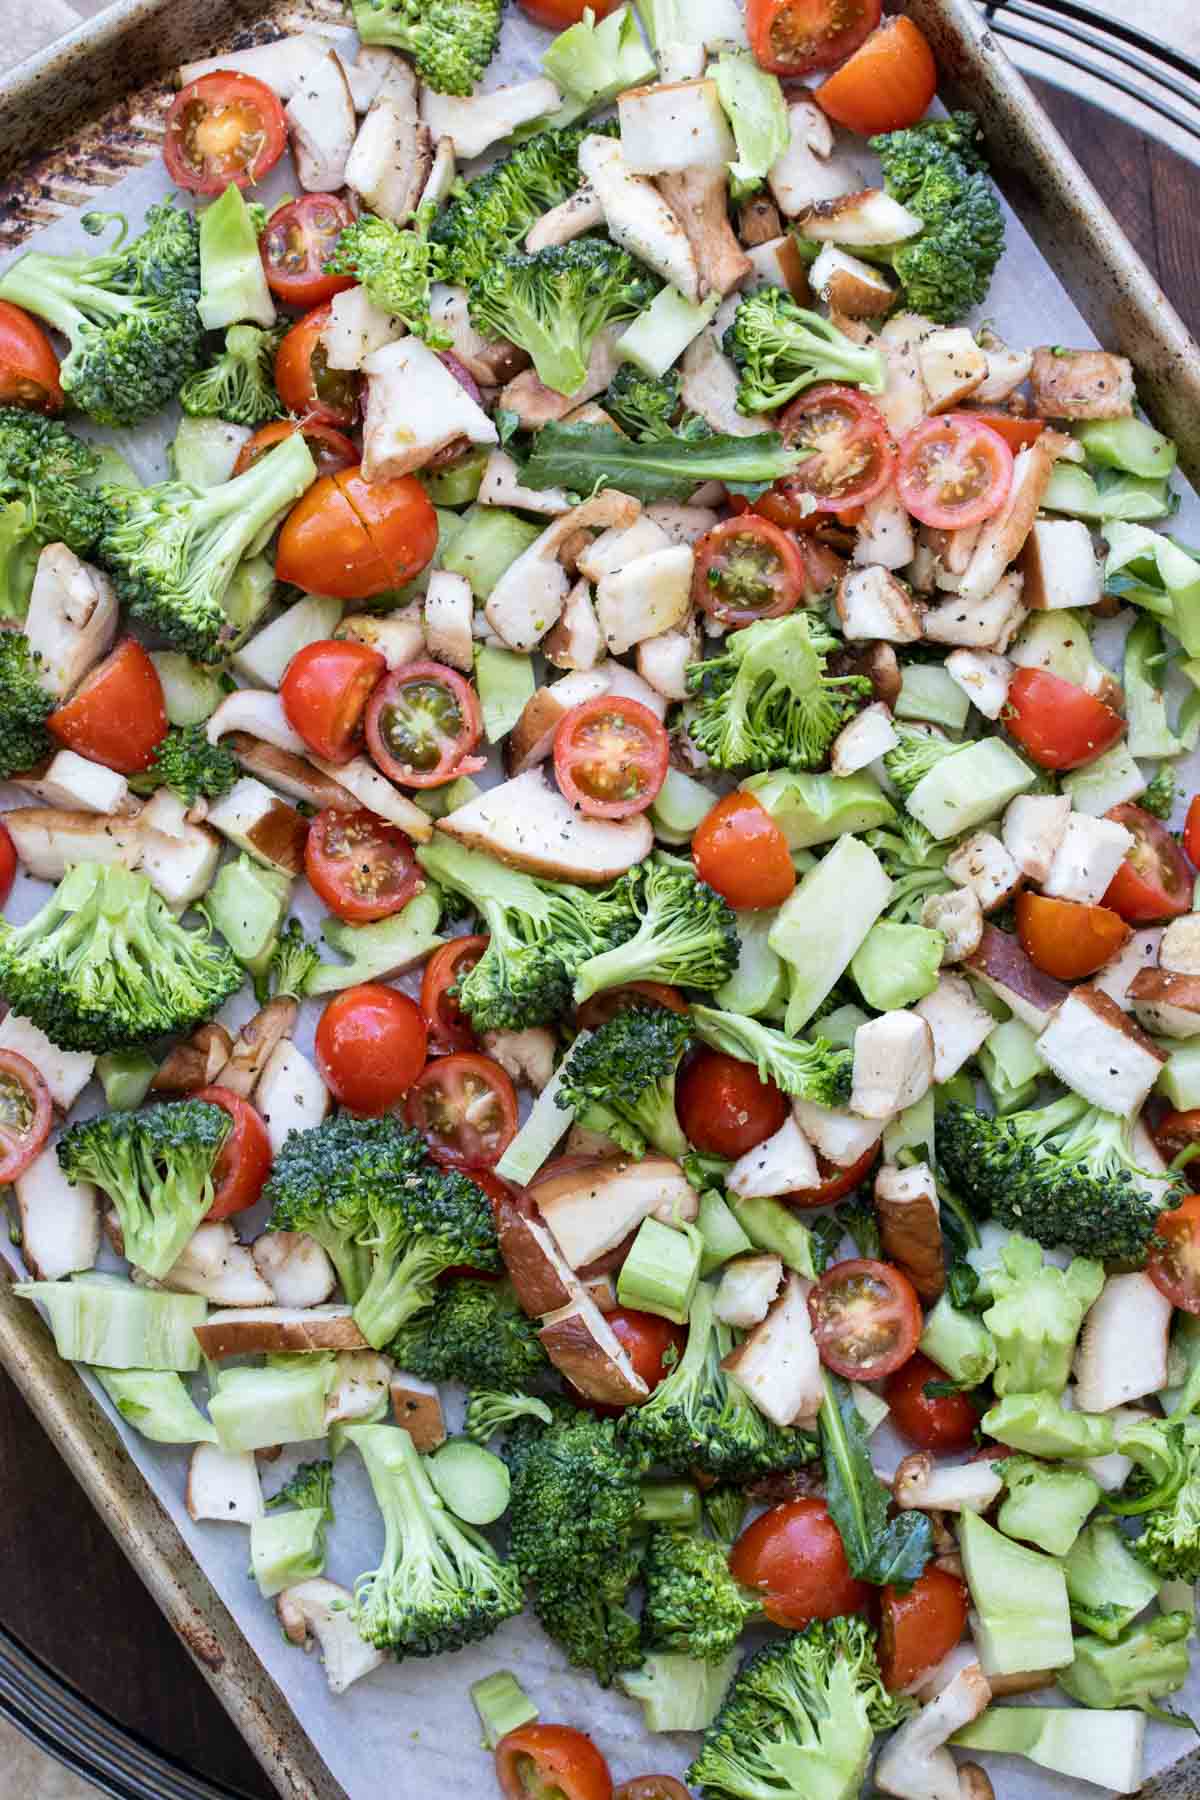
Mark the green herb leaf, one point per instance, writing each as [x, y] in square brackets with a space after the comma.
[879, 1549]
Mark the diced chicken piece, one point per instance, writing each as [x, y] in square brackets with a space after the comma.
[449, 616]
[525, 1056]
[291, 1095]
[282, 64]
[868, 736]
[958, 1022]
[322, 1610]
[414, 408]
[1033, 831]
[502, 486]
[872, 604]
[480, 120]
[1099, 1053]
[580, 212]
[359, 1395]
[390, 161]
[60, 1221]
[710, 387]
[1141, 951]
[584, 1348]
[885, 534]
[868, 217]
[840, 1137]
[1180, 947]
[804, 175]
[778, 263]
[981, 862]
[215, 1264]
[915, 1764]
[296, 1266]
[1060, 566]
[1003, 537]
[777, 1364]
[609, 553]
[893, 1064]
[259, 712]
[223, 1486]
[322, 125]
[639, 219]
[984, 677]
[987, 624]
[1165, 1003]
[259, 822]
[48, 841]
[910, 1230]
[699, 198]
[73, 783]
[529, 597]
[593, 1208]
[781, 1164]
[530, 826]
[953, 367]
[1007, 371]
[65, 1072]
[1081, 384]
[1002, 965]
[959, 918]
[246, 1060]
[629, 684]
[489, 360]
[663, 661]
[72, 619]
[165, 812]
[904, 402]
[651, 594]
[747, 1290]
[399, 637]
[851, 287]
[531, 739]
[1088, 856]
[676, 125]
[942, 1487]
[181, 869]
[1122, 1352]
[417, 1406]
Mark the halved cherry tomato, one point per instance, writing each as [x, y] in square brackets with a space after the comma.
[1059, 724]
[653, 1345]
[353, 540]
[747, 569]
[359, 865]
[551, 1762]
[8, 864]
[370, 1046]
[1067, 939]
[919, 1625]
[887, 84]
[1175, 1133]
[245, 1160]
[465, 1107]
[556, 15]
[739, 850]
[851, 457]
[792, 37]
[835, 1183]
[331, 450]
[223, 127]
[296, 245]
[26, 1111]
[1017, 433]
[793, 1555]
[1174, 1265]
[932, 1422]
[652, 1787]
[449, 1026]
[1154, 882]
[423, 724]
[1191, 832]
[600, 1008]
[611, 756]
[325, 691]
[866, 1318]
[724, 1108]
[307, 385]
[954, 471]
[117, 714]
[28, 365]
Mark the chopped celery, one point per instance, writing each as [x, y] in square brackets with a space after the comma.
[823, 922]
[958, 1342]
[265, 656]
[233, 283]
[458, 484]
[1151, 571]
[679, 806]
[246, 904]
[190, 692]
[126, 1076]
[755, 106]
[671, 1503]
[677, 1693]
[1011, 1064]
[106, 1321]
[661, 1271]
[913, 1130]
[156, 1403]
[506, 684]
[473, 1483]
[1102, 1747]
[1107, 782]
[758, 983]
[839, 1026]
[659, 336]
[595, 60]
[896, 964]
[489, 541]
[379, 950]
[1128, 444]
[546, 1123]
[502, 1705]
[770, 1225]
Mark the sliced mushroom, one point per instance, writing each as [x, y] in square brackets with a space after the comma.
[593, 1207]
[71, 621]
[583, 1347]
[529, 597]
[489, 360]
[48, 841]
[223, 1485]
[542, 1281]
[637, 215]
[259, 713]
[417, 1406]
[777, 1364]
[804, 175]
[390, 161]
[278, 1331]
[195, 1063]
[293, 775]
[322, 124]
[699, 198]
[60, 1220]
[322, 1610]
[530, 826]
[255, 1045]
[480, 120]
[571, 218]
[214, 1264]
[961, 1487]
[296, 1266]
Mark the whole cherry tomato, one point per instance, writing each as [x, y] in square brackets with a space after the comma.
[359, 865]
[724, 1107]
[794, 1557]
[354, 540]
[931, 1421]
[739, 850]
[886, 85]
[28, 365]
[1174, 1265]
[653, 1345]
[449, 1026]
[1066, 938]
[298, 241]
[245, 1160]
[465, 1107]
[8, 864]
[224, 127]
[325, 691]
[610, 757]
[1154, 882]
[1060, 725]
[26, 1113]
[117, 715]
[551, 1762]
[866, 1318]
[370, 1047]
[919, 1625]
[794, 37]
[307, 385]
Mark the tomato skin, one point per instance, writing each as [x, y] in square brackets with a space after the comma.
[611, 756]
[1191, 832]
[648, 1340]
[26, 1114]
[431, 709]
[331, 450]
[551, 1762]
[723, 1106]
[1154, 882]
[299, 238]
[8, 864]
[245, 1160]
[1067, 939]
[954, 470]
[438, 1101]
[399, 519]
[866, 1318]
[449, 1027]
[886, 85]
[1017, 433]
[1174, 1133]
[556, 15]
[853, 459]
[353, 540]
[370, 1047]
[117, 714]
[325, 691]
[739, 850]
[746, 569]
[947, 1422]
[835, 1183]
[793, 37]
[793, 1555]
[1057, 723]
[652, 1787]
[307, 385]
[360, 866]
[28, 364]
[1174, 1265]
[918, 1627]
[211, 109]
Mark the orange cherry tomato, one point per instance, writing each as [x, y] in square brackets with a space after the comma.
[931, 1421]
[793, 37]
[920, 1625]
[370, 1047]
[1174, 1265]
[746, 569]
[325, 691]
[331, 450]
[724, 1107]
[360, 866]
[600, 1008]
[299, 240]
[117, 714]
[1017, 433]
[1175, 1133]
[449, 1026]
[611, 756]
[1066, 938]
[465, 1107]
[653, 1346]
[423, 724]
[224, 127]
[307, 385]
[1154, 882]
[26, 1112]
[739, 850]
[835, 1183]
[245, 1160]
[8, 864]
[887, 84]
[866, 1318]
[28, 365]
[399, 518]
[1059, 724]
[353, 540]
[551, 1762]
[794, 1557]
[954, 471]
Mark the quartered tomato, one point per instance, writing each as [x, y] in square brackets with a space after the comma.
[1154, 882]
[793, 37]
[117, 714]
[919, 1625]
[449, 1026]
[354, 540]
[887, 84]
[600, 1008]
[359, 865]
[26, 1110]
[223, 127]
[747, 569]
[423, 724]
[28, 365]
[325, 691]
[551, 1762]
[835, 1183]
[954, 471]
[724, 1108]
[851, 459]
[370, 1046]
[296, 245]
[1059, 724]
[611, 756]
[653, 1346]
[930, 1421]
[739, 850]
[8, 863]
[1017, 433]
[1067, 939]
[1177, 1133]
[307, 385]
[794, 1557]
[245, 1160]
[331, 450]
[1174, 1265]
[866, 1318]
[465, 1107]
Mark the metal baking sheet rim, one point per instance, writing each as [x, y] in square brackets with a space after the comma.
[69, 127]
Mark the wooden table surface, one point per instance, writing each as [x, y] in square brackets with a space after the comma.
[65, 1589]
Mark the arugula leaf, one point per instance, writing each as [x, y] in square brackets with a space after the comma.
[879, 1549]
[585, 458]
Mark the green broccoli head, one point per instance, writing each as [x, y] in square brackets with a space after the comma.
[644, 406]
[912, 758]
[1164, 1493]
[1159, 798]
[320, 1182]
[915, 864]
[767, 703]
[311, 1486]
[451, 42]
[489, 1413]
[52, 472]
[1035, 1316]
[193, 768]
[396, 268]
[937, 170]
[808, 1070]
[780, 349]
[693, 1604]
[686, 935]
[474, 1333]
[621, 1079]
[24, 706]
[292, 962]
[240, 384]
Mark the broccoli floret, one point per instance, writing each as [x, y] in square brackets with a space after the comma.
[396, 268]
[1064, 1173]
[766, 701]
[686, 936]
[1164, 1492]
[292, 962]
[320, 1183]
[475, 1333]
[489, 1413]
[24, 706]
[917, 752]
[156, 1166]
[130, 315]
[52, 473]
[106, 965]
[193, 768]
[801, 1717]
[915, 864]
[725, 1510]
[811, 1071]
[780, 349]
[937, 171]
[1035, 1316]
[693, 1604]
[174, 550]
[555, 302]
[1159, 797]
[621, 1080]
[643, 405]
[311, 1486]
[450, 41]
[240, 385]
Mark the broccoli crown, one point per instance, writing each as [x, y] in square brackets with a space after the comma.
[396, 268]
[914, 862]
[240, 384]
[800, 1718]
[51, 471]
[173, 550]
[725, 1509]
[780, 349]
[475, 1333]
[310, 1486]
[553, 303]
[809, 1070]
[106, 965]
[1164, 1490]
[1035, 1316]
[489, 1413]
[1064, 1174]
[621, 1079]
[450, 41]
[643, 405]
[686, 935]
[130, 316]
[440, 1584]
[936, 169]
[156, 1166]
[914, 756]
[693, 1604]
[24, 706]
[193, 768]
[292, 962]
[319, 1184]
[1159, 798]
[766, 701]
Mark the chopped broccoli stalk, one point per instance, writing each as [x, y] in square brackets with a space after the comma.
[1019, 1598]
[24, 706]
[937, 170]
[677, 1693]
[723, 1237]
[661, 1271]
[808, 1070]
[772, 1225]
[106, 1321]
[621, 1080]
[686, 935]
[672, 1503]
[240, 384]
[725, 1511]
[502, 1705]
[233, 280]
[490, 1413]
[475, 1333]
[1044, 1506]
[766, 702]
[1035, 1316]
[1106, 1749]
[379, 950]
[958, 1342]
[451, 42]
[193, 768]
[49, 495]
[125, 1076]
[780, 349]
[287, 1548]
[1164, 1492]
[1106, 1584]
[1146, 1663]
[693, 1604]
[310, 1487]
[283, 1403]
[157, 1405]
[396, 268]
[916, 754]
[1040, 1425]
[594, 61]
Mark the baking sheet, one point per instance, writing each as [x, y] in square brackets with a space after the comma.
[415, 1721]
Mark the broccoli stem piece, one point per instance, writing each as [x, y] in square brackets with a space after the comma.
[240, 385]
[1035, 1316]
[1146, 1663]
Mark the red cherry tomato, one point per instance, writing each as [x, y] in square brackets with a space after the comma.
[117, 714]
[423, 724]
[556, 15]
[1191, 832]
[866, 1318]
[919, 1626]
[449, 1026]
[1174, 1265]
[851, 458]
[331, 450]
[551, 1762]
[224, 127]
[739, 850]
[793, 1555]
[360, 866]
[307, 385]
[8, 864]
[1065, 938]
[723, 1106]
[370, 1047]
[886, 85]
[652, 1787]
[296, 245]
[1061, 726]
[465, 1107]
[835, 1183]
[1175, 1133]
[325, 691]
[353, 540]
[245, 1159]
[793, 37]
[746, 569]
[28, 365]
[600, 1008]
[26, 1110]
[610, 757]
[931, 1422]
[1018, 433]
[954, 471]
[1154, 882]
[649, 1341]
